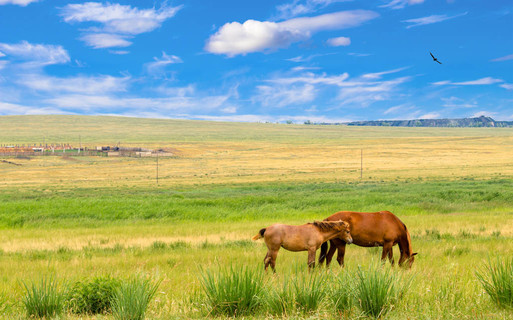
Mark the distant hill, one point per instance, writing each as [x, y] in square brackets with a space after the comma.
[481, 121]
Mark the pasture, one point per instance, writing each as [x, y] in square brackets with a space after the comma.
[76, 218]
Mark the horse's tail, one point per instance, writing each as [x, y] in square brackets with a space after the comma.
[260, 235]
[324, 250]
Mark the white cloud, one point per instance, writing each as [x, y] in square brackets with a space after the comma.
[507, 86]
[482, 81]
[159, 64]
[118, 22]
[339, 41]
[79, 84]
[281, 96]
[105, 40]
[484, 113]
[260, 36]
[378, 75]
[311, 78]
[36, 55]
[17, 109]
[430, 20]
[505, 58]
[22, 3]
[299, 7]
[399, 4]
[365, 93]
[454, 102]
[430, 115]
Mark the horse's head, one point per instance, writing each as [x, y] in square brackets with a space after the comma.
[410, 260]
[344, 231]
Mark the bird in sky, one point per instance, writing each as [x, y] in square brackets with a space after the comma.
[434, 59]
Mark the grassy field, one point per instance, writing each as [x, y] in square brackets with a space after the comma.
[79, 217]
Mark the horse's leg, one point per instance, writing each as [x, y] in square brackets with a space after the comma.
[387, 250]
[273, 256]
[330, 253]
[341, 253]
[311, 258]
[391, 254]
[267, 260]
[334, 245]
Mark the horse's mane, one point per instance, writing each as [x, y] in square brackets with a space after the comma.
[329, 225]
[408, 246]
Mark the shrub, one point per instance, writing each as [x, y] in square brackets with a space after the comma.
[93, 296]
[132, 297]
[43, 299]
[378, 288]
[232, 291]
[497, 280]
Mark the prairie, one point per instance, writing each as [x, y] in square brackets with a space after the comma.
[76, 217]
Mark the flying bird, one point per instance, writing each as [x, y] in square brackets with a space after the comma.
[434, 59]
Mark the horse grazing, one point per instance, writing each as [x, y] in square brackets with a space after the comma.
[307, 237]
[371, 229]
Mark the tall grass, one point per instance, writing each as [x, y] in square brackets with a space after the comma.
[232, 290]
[131, 299]
[279, 299]
[341, 291]
[44, 299]
[497, 280]
[379, 288]
[309, 290]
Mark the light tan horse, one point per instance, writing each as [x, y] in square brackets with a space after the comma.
[307, 237]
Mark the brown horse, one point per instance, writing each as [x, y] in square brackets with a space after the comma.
[307, 237]
[371, 229]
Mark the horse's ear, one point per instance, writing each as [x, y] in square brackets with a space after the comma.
[414, 254]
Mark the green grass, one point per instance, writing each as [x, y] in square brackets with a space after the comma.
[497, 280]
[101, 206]
[44, 299]
[132, 297]
[378, 289]
[232, 291]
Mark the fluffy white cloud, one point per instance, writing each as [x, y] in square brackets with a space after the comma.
[399, 4]
[339, 41]
[251, 36]
[259, 36]
[22, 3]
[430, 20]
[117, 22]
[36, 55]
[507, 86]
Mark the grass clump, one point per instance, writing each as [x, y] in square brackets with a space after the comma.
[309, 290]
[378, 289]
[92, 296]
[44, 299]
[497, 280]
[341, 292]
[280, 299]
[232, 291]
[131, 299]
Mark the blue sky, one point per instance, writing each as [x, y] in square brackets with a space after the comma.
[317, 60]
